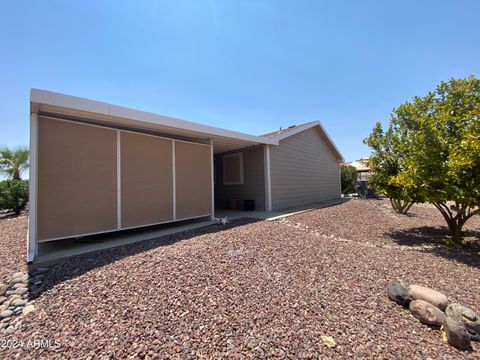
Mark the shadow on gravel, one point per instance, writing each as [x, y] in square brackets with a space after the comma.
[430, 239]
[73, 267]
[9, 215]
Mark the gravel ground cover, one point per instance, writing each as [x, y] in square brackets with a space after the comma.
[254, 290]
[13, 240]
[374, 221]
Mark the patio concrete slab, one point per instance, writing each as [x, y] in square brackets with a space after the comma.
[275, 215]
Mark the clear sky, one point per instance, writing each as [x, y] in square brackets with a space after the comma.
[250, 66]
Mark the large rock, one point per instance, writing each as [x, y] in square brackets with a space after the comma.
[20, 291]
[469, 318]
[17, 280]
[6, 313]
[3, 288]
[19, 303]
[457, 333]
[18, 274]
[28, 309]
[434, 297]
[397, 292]
[427, 313]
[38, 271]
[15, 297]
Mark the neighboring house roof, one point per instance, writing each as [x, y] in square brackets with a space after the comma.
[48, 103]
[295, 129]
[360, 165]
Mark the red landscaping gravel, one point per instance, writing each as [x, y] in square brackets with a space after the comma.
[255, 290]
[13, 245]
[376, 222]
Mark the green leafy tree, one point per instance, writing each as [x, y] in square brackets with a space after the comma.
[348, 175]
[433, 143]
[14, 161]
[385, 165]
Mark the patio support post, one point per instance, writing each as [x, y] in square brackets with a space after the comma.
[174, 189]
[268, 180]
[32, 247]
[119, 180]
[212, 216]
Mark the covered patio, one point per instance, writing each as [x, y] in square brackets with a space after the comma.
[99, 169]
[102, 175]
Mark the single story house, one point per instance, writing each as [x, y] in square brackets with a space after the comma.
[98, 168]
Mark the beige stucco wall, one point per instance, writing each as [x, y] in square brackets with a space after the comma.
[304, 170]
[253, 187]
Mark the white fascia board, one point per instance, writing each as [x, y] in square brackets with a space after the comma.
[38, 96]
[307, 126]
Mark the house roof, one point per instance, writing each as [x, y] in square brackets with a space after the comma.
[281, 131]
[295, 129]
[48, 103]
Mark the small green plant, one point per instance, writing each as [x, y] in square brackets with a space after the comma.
[13, 195]
[348, 174]
[401, 206]
[449, 242]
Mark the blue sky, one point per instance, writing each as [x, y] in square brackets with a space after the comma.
[250, 66]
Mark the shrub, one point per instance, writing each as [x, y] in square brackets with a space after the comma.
[348, 175]
[13, 195]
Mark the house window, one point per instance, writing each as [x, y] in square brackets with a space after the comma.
[233, 169]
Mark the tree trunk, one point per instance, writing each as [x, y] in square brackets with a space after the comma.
[16, 175]
[456, 217]
[456, 234]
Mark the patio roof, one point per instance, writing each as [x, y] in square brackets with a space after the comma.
[70, 107]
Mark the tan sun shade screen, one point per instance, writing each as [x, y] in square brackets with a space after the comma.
[76, 179]
[147, 179]
[193, 180]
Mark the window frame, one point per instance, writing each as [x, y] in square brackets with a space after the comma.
[240, 161]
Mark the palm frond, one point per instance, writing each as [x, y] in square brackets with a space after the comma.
[14, 161]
